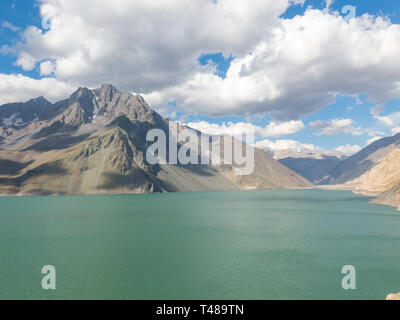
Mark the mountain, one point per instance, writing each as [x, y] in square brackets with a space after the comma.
[284, 149]
[313, 169]
[358, 164]
[309, 161]
[374, 171]
[95, 142]
[382, 181]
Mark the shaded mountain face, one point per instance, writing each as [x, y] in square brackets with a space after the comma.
[361, 162]
[312, 169]
[14, 116]
[95, 142]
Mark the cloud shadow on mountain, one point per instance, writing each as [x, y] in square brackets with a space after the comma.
[11, 167]
[49, 169]
[57, 142]
[203, 170]
[115, 180]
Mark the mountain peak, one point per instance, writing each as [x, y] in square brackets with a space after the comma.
[106, 90]
[40, 99]
[108, 86]
[81, 91]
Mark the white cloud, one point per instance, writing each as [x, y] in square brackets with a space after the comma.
[144, 45]
[295, 66]
[299, 68]
[387, 121]
[18, 88]
[348, 149]
[336, 126]
[376, 111]
[372, 140]
[9, 26]
[390, 120]
[274, 129]
[395, 130]
[47, 68]
[26, 61]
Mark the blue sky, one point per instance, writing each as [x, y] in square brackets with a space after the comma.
[17, 15]
[21, 14]
[388, 8]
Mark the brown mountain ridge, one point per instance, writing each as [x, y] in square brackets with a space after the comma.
[95, 142]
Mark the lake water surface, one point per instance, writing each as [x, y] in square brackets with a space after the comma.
[280, 244]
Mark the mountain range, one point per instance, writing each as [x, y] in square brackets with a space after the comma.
[315, 169]
[374, 171]
[95, 142]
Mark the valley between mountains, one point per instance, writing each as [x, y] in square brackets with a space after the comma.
[373, 171]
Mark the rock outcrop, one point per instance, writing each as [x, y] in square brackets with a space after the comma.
[393, 296]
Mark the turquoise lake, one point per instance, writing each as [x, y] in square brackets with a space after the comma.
[280, 244]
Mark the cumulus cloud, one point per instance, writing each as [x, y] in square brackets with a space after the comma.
[284, 67]
[47, 68]
[26, 61]
[274, 129]
[300, 68]
[18, 88]
[336, 126]
[143, 45]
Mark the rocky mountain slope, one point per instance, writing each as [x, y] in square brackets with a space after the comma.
[382, 181]
[361, 162]
[374, 171]
[95, 142]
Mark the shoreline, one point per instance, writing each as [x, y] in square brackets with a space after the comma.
[377, 198]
